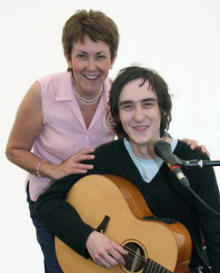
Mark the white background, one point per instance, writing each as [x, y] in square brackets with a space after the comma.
[179, 39]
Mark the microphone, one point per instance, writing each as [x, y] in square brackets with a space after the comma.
[163, 150]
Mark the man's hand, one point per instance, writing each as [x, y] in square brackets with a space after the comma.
[104, 251]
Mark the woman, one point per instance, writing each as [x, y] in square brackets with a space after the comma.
[62, 117]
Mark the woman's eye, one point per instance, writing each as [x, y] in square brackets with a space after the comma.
[81, 56]
[100, 57]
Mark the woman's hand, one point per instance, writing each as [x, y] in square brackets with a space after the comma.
[104, 251]
[72, 164]
[194, 144]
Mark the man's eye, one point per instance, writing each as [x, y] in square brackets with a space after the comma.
[127, 107]
[148, 104]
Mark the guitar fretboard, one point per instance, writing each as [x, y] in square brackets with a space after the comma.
[153, 267]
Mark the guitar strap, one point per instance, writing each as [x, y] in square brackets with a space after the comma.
[103, 225]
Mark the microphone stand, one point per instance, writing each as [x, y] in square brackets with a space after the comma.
[194, 163]
[163, 150]
[199, 163]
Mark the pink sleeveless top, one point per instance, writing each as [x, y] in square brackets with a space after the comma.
[64, 132]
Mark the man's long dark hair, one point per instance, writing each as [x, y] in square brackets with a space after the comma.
[157, 84]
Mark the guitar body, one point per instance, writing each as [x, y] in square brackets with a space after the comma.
[162, 247]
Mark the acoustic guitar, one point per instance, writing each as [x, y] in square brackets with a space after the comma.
[117, 207]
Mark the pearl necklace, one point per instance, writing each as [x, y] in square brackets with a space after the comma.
[88, 101]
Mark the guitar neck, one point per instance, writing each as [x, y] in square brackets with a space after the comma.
[153, 267]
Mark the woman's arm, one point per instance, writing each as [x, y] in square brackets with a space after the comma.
[27, 127]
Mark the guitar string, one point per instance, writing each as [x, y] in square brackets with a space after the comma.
[132, 252]
[154, 266]
[142, 259]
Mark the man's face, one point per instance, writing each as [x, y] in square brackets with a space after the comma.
[139, 114]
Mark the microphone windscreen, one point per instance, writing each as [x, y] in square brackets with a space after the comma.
[163, 150]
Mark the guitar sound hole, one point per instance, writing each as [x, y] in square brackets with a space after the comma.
[135, 260]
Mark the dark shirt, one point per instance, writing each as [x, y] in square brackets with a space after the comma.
[165, 196]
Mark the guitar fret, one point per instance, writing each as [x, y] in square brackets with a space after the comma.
[153, 267]
[150, 264]
[158, 267]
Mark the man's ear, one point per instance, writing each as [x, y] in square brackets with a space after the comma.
[163, 114]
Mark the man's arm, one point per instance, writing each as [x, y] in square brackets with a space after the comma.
[208, 191]
[60, 218]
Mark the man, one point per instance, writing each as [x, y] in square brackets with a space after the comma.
[140, 108]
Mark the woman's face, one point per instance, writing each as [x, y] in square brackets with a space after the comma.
[90, 62]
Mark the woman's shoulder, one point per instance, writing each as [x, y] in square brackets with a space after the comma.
[56, 86]
[55, 78]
